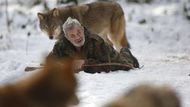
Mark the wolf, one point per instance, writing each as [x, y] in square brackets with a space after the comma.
[103, 18]
[53, 86]
[148, 96]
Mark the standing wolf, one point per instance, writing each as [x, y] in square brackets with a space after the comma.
[103, 18]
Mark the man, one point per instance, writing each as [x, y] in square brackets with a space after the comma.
[89, 48]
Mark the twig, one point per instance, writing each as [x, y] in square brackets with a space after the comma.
[32, 68]
[7, 15]
[27, 42]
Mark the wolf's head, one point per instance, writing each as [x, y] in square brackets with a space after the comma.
[148, 96]
[54, 86]
[50, 23]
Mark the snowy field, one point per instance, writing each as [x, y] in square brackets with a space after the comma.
[161, 44]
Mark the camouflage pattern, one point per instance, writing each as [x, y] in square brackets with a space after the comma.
[94, 50]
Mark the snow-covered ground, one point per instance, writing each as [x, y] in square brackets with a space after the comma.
[161, 44]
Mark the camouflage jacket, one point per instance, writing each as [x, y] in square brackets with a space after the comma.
[93, 50]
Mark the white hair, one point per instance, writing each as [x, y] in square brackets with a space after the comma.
[69, 24]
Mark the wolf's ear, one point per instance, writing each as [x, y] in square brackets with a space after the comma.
[40, 16]
[55, 12]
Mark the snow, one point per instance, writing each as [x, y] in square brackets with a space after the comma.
[161, 44]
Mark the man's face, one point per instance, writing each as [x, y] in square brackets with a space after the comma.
[76, 36]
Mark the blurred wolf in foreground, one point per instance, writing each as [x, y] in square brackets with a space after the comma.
[148, 96]
[103, 18]
[54, 86]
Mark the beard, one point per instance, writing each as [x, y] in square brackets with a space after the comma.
[79, 43]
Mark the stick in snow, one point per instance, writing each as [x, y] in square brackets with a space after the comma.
[93, 68]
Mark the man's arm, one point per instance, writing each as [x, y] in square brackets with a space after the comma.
[102, 52]
[105, 53]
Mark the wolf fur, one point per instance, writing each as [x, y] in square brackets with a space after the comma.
[148, 96]
[54, 86]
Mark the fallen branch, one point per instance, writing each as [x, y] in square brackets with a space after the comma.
[32, 68]
[93, 68]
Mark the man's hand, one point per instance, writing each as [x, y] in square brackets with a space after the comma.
[78, 64]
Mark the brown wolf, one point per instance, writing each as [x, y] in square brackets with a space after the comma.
[54, 86]
[148, 96]
[103, 18]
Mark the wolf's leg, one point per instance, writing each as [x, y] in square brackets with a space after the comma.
[117, 33]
